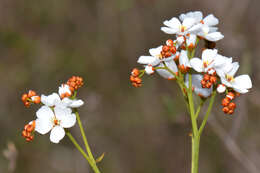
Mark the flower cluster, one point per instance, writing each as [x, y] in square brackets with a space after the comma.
[56, 111]
[176, 59]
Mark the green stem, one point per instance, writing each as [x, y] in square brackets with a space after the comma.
[202, 101]
[92, 164]
[195, 154]
[90, 155]
[191, 107]
[212, 99]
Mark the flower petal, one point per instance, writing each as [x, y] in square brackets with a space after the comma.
[57, 133]
[155, 51]
[50, 99]
[210, 20]
[67, 121]
[214, 36]
[173, 23]
[235, 67]
[188, 22]
[76, 103]
[60, 112]
[242, 81]
[208, 55]
[168, 30]
[146, 60]
[43, 126]
[184, 60]
[45, 113]
[196, 64]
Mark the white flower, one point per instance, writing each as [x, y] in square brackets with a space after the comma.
[196, 85]
[197, 15]
[221, 88]
[55, 121]
[191, 41]
[174, 26]
[184, 60]
[156, 60]
[208, 29]
[64, 89]
[207, 61]
[149, 69]
[55, 100]
[240, 83]
[50, 100]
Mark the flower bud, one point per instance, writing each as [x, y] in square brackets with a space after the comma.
[221, 88]
[225, 102]
[225, 110]
[232, 105]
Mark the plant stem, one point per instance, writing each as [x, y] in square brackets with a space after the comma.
[92, 164]
[195, 154]
[212, 99]
[202, 101]
[90, 155]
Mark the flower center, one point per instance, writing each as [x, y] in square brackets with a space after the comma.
[55, 121]
[207, 63]
[229, 78]
[183, 28]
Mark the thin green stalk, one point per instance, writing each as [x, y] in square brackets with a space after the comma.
[191, 106]
[212, 99]
[195, 154]
[202, 101]
[94, 166]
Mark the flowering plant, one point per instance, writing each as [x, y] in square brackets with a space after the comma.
[58, 113]
[203, 76]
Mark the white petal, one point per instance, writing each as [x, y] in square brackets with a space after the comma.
[210, 20]
[195, 28]
[242, 81]
[63, 89]
[197, 15]
[147, 60]
[172, 66]
[149, 69]
[67, 121]
[221, 88]
[155, 51]
[60, 112]
[196, 64]
[50, 99]
[76, 103]
[235, 67]
[242, 91]
[208, 55]
[225, 82]
[164, 73]
[45, 113]
[168, 30]
[57, 133]
[43, 126]
[184, 60]
[196, 79]
[188, 22]
[191, 40]
[174, 23]
[214, 36]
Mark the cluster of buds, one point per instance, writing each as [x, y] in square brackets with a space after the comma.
[208, 80]
[75, 82]
[135, 79]
[30, 97]
[228, 104]
[28, 132]
[168, 50]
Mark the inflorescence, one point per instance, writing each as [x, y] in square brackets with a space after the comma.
[210, 71]
[56, 111]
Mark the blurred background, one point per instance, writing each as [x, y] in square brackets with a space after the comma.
[43, 43]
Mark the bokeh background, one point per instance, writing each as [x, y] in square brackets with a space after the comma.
[43, 43]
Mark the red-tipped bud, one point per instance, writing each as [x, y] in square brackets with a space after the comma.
[206, 77]
[213, 79]
[225, 102]
[230, 95]
[173, 49]
[37, 99]
[208, 85]
[169, 42]
[225, 110]
[168, 54]
[230, 111]
[31, 93]
[24, 97]
[165, 48]
[232, 105]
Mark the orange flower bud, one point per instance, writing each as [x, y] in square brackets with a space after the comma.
[213, 79]
[135, 72]
[37, 99]
[27, 104]
[232, 105]
[225, 102]
[230, 95]
[225, 110]
[24, 97]
[208, 85]
[31, 93]
[169, 42]
[168, 54]
[230, 111]
[206, 77]
[173, 49]
[165, 48]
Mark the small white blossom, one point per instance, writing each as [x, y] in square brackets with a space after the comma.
[221, 88]
[196, 78]
[50, 100]
[149, 69]
[156, 60]
[55, 121]
[184, 60]
[174, 26]
[240, 83]
[64, 89]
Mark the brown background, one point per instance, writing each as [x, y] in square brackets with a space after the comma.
[43, 43]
